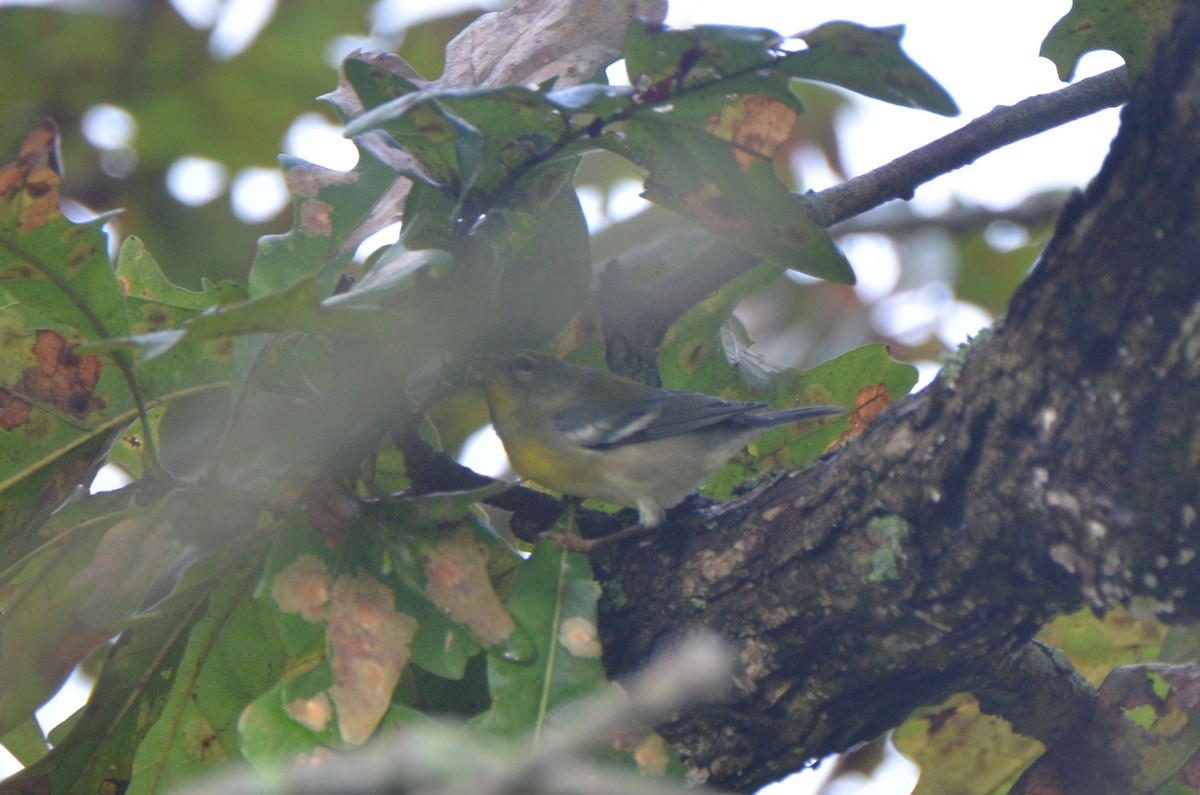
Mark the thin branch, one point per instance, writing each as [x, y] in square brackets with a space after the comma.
[997, 128]
[900, 178]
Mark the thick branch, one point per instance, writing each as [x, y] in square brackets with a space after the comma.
[1055, 466]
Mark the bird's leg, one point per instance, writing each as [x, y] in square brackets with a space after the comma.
[568, 537]
[622, 534]
[573, 541]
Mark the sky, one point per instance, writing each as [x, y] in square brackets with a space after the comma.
[983, 54]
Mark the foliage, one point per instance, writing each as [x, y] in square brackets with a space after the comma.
[292, 590]
[1128, 28]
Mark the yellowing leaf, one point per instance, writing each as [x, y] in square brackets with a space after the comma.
[960, 750]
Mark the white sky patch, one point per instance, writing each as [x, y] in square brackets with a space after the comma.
[879, 272]
[108, 126]
[196, 180]
[483, 452]
[238, 25]
[911, 316]
[110, 478]
[384, 237]
[258, 194]
[320, 141]
[1004, 236]
[200, 14]
[592, 204]
[625, 200]
[961, 319]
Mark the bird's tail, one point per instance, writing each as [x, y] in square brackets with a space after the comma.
[765, 419]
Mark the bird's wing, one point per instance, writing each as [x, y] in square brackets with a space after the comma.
[663, 413]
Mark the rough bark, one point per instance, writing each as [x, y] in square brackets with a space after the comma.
[1055, 465]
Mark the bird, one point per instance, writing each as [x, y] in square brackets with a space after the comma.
[595, 435]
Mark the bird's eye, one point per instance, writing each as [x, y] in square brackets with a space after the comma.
[524, 365]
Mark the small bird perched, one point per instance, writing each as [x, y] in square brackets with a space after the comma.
[599, 436]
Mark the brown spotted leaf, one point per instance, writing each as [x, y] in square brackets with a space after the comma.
[457, 581]
[368, 649]
[29, 187]
[58, 292]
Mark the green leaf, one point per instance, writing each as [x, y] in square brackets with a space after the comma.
[329, 207]
[376, 78]
[156, 308]
[61, 271]
[94, 576]
[393, 273]
[59, 400]
[47, 605]
[54, 398]
[50, 266]
[1131, 28]
[428, 131]
[553, 598]
[32, 491]
[842, 381]
[695, 335]
[519, 128]
[445, 560]
[59, 290]
[533, 260]
[868, 61]
[150, 295]
[233, 653]
[293, 309]
[673, 63]
[97, 753]
[739, 199]
[700, 54]
[286, 722]
[450, 585]
[25, 742]
[703, 352]
[472, 143]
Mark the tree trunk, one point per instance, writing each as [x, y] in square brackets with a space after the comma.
[1054, 465]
